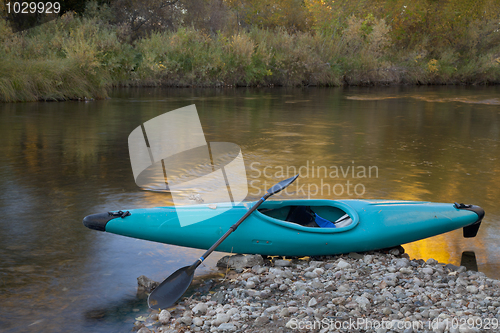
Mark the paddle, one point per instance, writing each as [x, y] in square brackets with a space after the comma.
[170, 290]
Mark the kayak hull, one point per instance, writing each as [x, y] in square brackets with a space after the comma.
[376, 224]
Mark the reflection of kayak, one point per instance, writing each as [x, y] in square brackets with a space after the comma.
[369, 225]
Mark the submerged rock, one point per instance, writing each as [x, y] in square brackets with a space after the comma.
[146, 283]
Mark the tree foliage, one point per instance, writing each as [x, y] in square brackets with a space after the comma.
[209, 15]
[145, 16]
[23, 21]
[292, 15]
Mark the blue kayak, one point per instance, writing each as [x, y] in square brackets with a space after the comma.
[294, 227]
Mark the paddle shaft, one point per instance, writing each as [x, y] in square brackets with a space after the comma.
[229, 232]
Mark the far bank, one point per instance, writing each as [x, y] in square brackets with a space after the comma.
[75, 58]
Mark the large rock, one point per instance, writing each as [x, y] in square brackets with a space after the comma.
[146, 283]
[240, 261]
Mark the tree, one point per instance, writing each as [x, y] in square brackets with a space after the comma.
[292, 15]
[77, 6]
[144, 16]
[208, 15]
[21, 21]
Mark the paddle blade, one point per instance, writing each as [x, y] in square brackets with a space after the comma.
[170, 290]
[281, 185]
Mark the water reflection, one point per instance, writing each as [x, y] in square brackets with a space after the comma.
[469, 260]
[62, 161]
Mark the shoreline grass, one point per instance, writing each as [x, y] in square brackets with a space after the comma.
[84, 57]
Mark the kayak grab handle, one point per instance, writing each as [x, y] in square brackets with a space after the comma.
[461, 205]
[476, 209]
[120, 214]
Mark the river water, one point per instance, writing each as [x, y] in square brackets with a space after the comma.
[62, 161]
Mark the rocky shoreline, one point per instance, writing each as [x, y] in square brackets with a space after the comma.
[370, 292]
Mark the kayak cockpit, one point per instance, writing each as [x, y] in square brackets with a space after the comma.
[312, 216]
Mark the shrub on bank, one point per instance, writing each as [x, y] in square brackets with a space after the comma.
[33, 80]
[68, 58]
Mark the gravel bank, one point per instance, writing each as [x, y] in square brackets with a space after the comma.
[370, 292]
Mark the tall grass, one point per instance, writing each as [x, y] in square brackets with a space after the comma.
[83, 57]
[69, 58]
[32, 80]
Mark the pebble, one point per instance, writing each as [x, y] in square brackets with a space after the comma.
[197, 321]
[282, 263]
[221, 318]
[310, 275]
[261, 321]
[472, 289]
[427, 270]
[274, 296]
[312, 302]
[186, 320]
[228, 327]
[343, 288]
[200, 308]
[250, 284]
[342, 264]
[284, 312]
[431, 261]
[363, 302]
[164, 317]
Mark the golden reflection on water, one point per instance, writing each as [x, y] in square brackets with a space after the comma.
[435, 247]
[431, 98]
[448, 248]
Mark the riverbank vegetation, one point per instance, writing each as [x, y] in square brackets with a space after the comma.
[250, 43]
